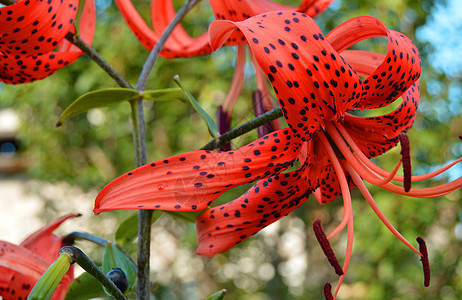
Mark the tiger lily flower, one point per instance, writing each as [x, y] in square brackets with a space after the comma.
[31, 29]
[317, 82]
[180, 44]
[22, 265]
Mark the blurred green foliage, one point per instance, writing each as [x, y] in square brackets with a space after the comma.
[284, 262]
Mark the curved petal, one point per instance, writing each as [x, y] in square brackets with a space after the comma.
[313, 84]
[27, 68]
[222, 227]
[191, 181]
[376, 135]
[179, 43]
[32, 27]
[398, 70]
[20, 269]
[43, 242]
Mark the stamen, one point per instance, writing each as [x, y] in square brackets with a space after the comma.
[259, 109]
[424, 260]
[328, 291]
[326, 248]
[406, 157]
[224, 125]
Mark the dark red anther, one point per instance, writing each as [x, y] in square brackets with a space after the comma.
[460, 137]
[326, 248]
[328, 291]
[424, 260]
[259, 109]
[406, 158]
[224, 125]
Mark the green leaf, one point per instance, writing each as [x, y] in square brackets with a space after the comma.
[128, 229]
[99, 98]
[84, 287]
[211, 125]
[220, 295]
[184, 216]
[116, 258]
[164, 95]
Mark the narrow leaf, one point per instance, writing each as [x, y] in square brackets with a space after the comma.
[84, 287]
[95, 99]
[164, 95]
[220, 295]
[211, 125]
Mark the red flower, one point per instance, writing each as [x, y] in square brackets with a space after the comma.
[317, 82]
[31, 29]
[180, 44]
[22, 266]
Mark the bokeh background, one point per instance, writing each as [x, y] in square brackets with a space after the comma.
[48, 171]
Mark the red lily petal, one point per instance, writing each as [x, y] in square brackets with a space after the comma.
[313, 84]
[399, 69]
[375, 135]
[25, 68]
[163, 12]
[27, 27]
[20, 269]
[43, 242]
[222, 227]
[191, 181]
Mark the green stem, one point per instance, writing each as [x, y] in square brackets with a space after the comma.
[98, 59]
[267, 117]
[86, 263]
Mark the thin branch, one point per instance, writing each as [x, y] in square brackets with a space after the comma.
[149, 64]
[98, 59]
[267, 117]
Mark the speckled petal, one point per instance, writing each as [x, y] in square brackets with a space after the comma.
[191, 181]
[23, 68]
[398, 70]
[20, 269]
[312, 82]
[222, 227]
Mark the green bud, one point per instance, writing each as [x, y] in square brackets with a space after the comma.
[47, 284]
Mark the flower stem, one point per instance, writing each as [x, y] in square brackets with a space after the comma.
[80, 258]
[145, 216]
[269, 116]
